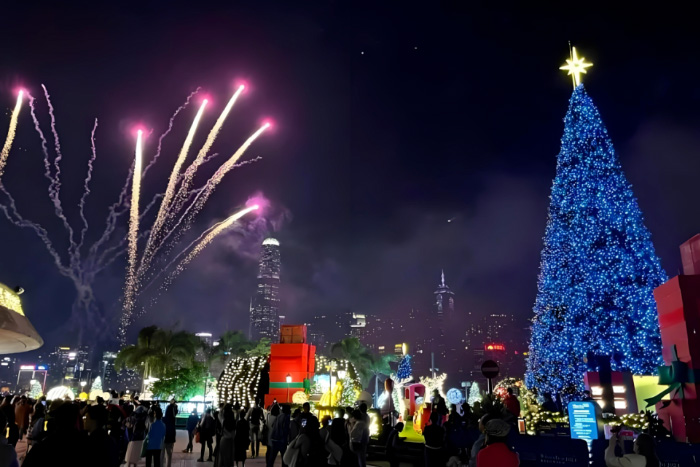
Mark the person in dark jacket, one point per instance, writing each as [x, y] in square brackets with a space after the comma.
[61, 437]
[207, 427]
[241, 440]
[434, 435]
[101, 448]
[170, 433]
[393, 445]
[192, 422]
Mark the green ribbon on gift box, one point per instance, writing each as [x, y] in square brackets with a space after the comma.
[675, 376]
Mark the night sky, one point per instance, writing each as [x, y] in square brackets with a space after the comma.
[389, 121]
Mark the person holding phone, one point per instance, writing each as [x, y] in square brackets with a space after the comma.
[644, 451]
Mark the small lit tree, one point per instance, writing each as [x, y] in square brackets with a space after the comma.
[405, 370]
[474, 393]
[35, 391]
[96, 385]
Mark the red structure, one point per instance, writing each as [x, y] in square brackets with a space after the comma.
[292, 357]
[619, 385]
[678, 303]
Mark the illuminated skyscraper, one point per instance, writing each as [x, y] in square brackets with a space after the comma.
[264, 310]
[444, 300]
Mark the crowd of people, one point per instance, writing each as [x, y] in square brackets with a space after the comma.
[109, 433]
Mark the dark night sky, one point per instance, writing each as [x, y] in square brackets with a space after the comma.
[448, 113]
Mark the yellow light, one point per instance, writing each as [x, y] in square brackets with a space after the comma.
[618, 389]
[575, 67]
[10, 300]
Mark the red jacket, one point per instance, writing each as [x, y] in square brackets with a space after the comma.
[512, 404]
[497, 455]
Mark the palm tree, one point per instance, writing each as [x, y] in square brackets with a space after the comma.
[352, 350]
[158, 352]
[380, 366]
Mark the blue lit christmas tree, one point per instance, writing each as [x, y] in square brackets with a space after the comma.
[598, 268]
[404, 371]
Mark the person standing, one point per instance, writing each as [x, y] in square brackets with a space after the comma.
[434, 435]
[154, 438]
[479, 443]
[192, 421]
[206, 434]
[278, 429]
[255, 418]
[495, 450]
[511, 402]
[22, 411]
[101, 448]
[226, 445]
[8, 455]
[359, 437]
[170, 433]
[644, 452]
[241, 440]
[393, 443]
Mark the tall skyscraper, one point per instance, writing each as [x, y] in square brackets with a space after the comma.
[264, 311]
[444, 300]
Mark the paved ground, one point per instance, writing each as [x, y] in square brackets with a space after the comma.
[181, 459]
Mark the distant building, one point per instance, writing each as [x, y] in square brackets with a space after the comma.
[107, 372]
[444, 300]
[70, 364]
[317, 333]
[265, 306]
[8, 371]
[358, 328]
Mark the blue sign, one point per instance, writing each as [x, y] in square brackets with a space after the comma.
[582, 420]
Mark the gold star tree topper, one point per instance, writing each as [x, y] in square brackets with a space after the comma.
[575, 66]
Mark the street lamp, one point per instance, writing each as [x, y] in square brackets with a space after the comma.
[82, 386]
[289, 381]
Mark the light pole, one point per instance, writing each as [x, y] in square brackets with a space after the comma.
[466, 385]
[289, 381]
[82, 386]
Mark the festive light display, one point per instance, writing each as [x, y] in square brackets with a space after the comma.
[455, 396]
[598, 267]
[35, 391]
[474, 394]
[405, 370]
[10, 300]
[60, 392]
[96, 385]
[240, 379]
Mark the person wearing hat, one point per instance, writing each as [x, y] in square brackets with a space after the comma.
[495, 450]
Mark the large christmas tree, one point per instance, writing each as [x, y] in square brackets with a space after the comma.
[598, 268]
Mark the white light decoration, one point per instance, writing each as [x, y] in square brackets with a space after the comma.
[455, 396]
[60, 392]
[240, 379]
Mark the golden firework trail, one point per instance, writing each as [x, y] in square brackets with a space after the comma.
[169, 194]
[192, 169]
[11, 132]
[131, 282]
[206, 239]
[210, 186]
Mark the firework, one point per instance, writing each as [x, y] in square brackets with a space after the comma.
[170, 192]
[11, 132]
[202, 197]
[130, 287]
[82, 270]
[203, 241]
[192, 169]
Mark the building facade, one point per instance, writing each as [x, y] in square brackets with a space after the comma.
[265, 305]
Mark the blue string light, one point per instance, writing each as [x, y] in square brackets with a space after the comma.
[598, 269]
